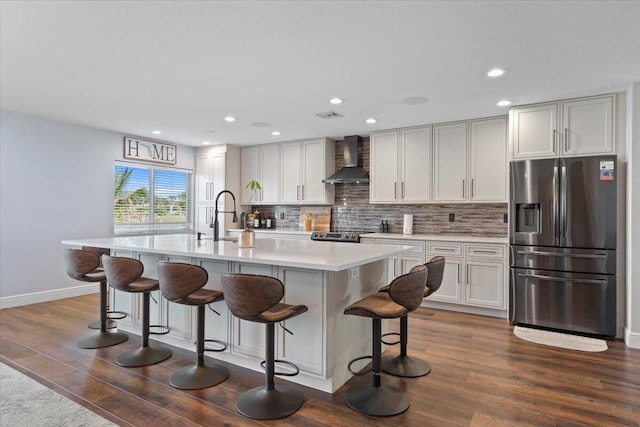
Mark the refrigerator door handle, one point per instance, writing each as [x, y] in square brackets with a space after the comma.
[564, 279]
[563, 205]
[556, 185]
[589, 256]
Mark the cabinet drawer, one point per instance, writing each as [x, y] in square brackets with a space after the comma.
[485, 251]
[444, 248]
[417, 247]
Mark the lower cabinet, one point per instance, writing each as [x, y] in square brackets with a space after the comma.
[474, 273]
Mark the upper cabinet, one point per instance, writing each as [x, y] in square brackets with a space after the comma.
[401, 166]
[450, 162]
[262, 164]
[289, 173]
[568, 128]
[444, 163]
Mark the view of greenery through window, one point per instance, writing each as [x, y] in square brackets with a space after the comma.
[150, 199]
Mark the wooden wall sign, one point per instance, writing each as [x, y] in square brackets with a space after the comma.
[149, 151]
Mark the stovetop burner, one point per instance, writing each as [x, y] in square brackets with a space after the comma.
[336, 236]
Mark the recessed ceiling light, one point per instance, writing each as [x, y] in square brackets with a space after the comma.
[495, 72]
[206, 143]
[415, 100]
[336, 101]
[371, 120]
[504, 103]
[229, 119]
[260, 124]
[275, 133]
[156, 132]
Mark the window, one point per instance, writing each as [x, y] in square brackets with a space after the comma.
[150, 199]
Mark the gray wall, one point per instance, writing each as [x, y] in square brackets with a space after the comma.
[56, 182]
[632, 332]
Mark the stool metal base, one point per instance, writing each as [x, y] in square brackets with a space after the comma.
[196, 377]
[143, 356]
[381, 401]
[263, 404]
[103, 339]
[405, 366]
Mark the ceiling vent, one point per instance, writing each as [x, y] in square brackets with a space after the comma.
[329, 115]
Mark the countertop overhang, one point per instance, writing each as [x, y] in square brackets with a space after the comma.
[330, 256]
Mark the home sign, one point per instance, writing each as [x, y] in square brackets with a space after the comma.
[149, 151]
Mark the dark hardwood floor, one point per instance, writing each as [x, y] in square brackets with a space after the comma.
[482, 376]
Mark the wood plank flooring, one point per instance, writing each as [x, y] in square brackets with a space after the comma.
[482, 376]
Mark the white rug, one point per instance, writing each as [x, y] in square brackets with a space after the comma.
[27, 403]
[557, 339]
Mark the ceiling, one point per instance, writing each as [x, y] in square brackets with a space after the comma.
[180, 67]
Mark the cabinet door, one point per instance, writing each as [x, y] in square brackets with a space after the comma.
[450, 162]
[270, 174]
[485, 283]
[291, 170]
[217, 326]
[587, 126]
[383, 186]
[313, 190]
[249, 171]
[416, 168]
[535, 131]
[488, 160]
[450, 289]
[203, 216]
[203, 179]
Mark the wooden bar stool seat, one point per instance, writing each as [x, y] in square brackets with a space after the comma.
[256, 298]
[182, 284]
[403, 365]
[84, 266]
[125, 274]
[405, 295]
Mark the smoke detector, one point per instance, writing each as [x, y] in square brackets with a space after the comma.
[329, 115]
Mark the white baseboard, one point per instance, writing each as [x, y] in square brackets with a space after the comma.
[44, 296]
[631, 339]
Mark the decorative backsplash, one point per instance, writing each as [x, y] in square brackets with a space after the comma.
[352, 211]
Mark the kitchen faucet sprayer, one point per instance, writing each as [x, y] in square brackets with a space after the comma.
[214, 223]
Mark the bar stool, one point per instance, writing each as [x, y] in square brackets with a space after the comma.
[125, 274]
[182, 284]
[256, 298]
[84, 266]
[403, 365]
[405, 295]
[112, 315]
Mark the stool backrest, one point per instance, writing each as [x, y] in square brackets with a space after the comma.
[179, 280]
[79, 262]
[249, 295]
[436, 271]
[408, 289]
[121, 272]
[97, 251]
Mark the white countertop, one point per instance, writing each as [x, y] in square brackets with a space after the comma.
[330, 256]
[437, 237]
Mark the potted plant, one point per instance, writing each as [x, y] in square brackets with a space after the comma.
[254, 186]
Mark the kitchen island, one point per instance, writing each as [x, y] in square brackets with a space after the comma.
[324, 276]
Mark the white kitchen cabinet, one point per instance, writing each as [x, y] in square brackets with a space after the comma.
[217, 323]
[401, 166]
[450, 162]
[488, 160]
[567, 128]
[474, 278]
[262, 164]
[304, 165]
[216, 170]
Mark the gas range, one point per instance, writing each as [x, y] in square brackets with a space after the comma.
[336, 236]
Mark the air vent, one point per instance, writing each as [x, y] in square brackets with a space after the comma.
[329, 115]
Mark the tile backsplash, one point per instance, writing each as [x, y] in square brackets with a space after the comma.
[352, 211]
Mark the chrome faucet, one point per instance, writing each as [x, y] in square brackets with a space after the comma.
[214, 223]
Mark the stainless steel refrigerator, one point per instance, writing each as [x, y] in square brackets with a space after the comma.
[563, 244]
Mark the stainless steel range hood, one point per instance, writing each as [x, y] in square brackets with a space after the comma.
[352, 172]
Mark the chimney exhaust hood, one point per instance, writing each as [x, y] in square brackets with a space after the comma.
[351, 173]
